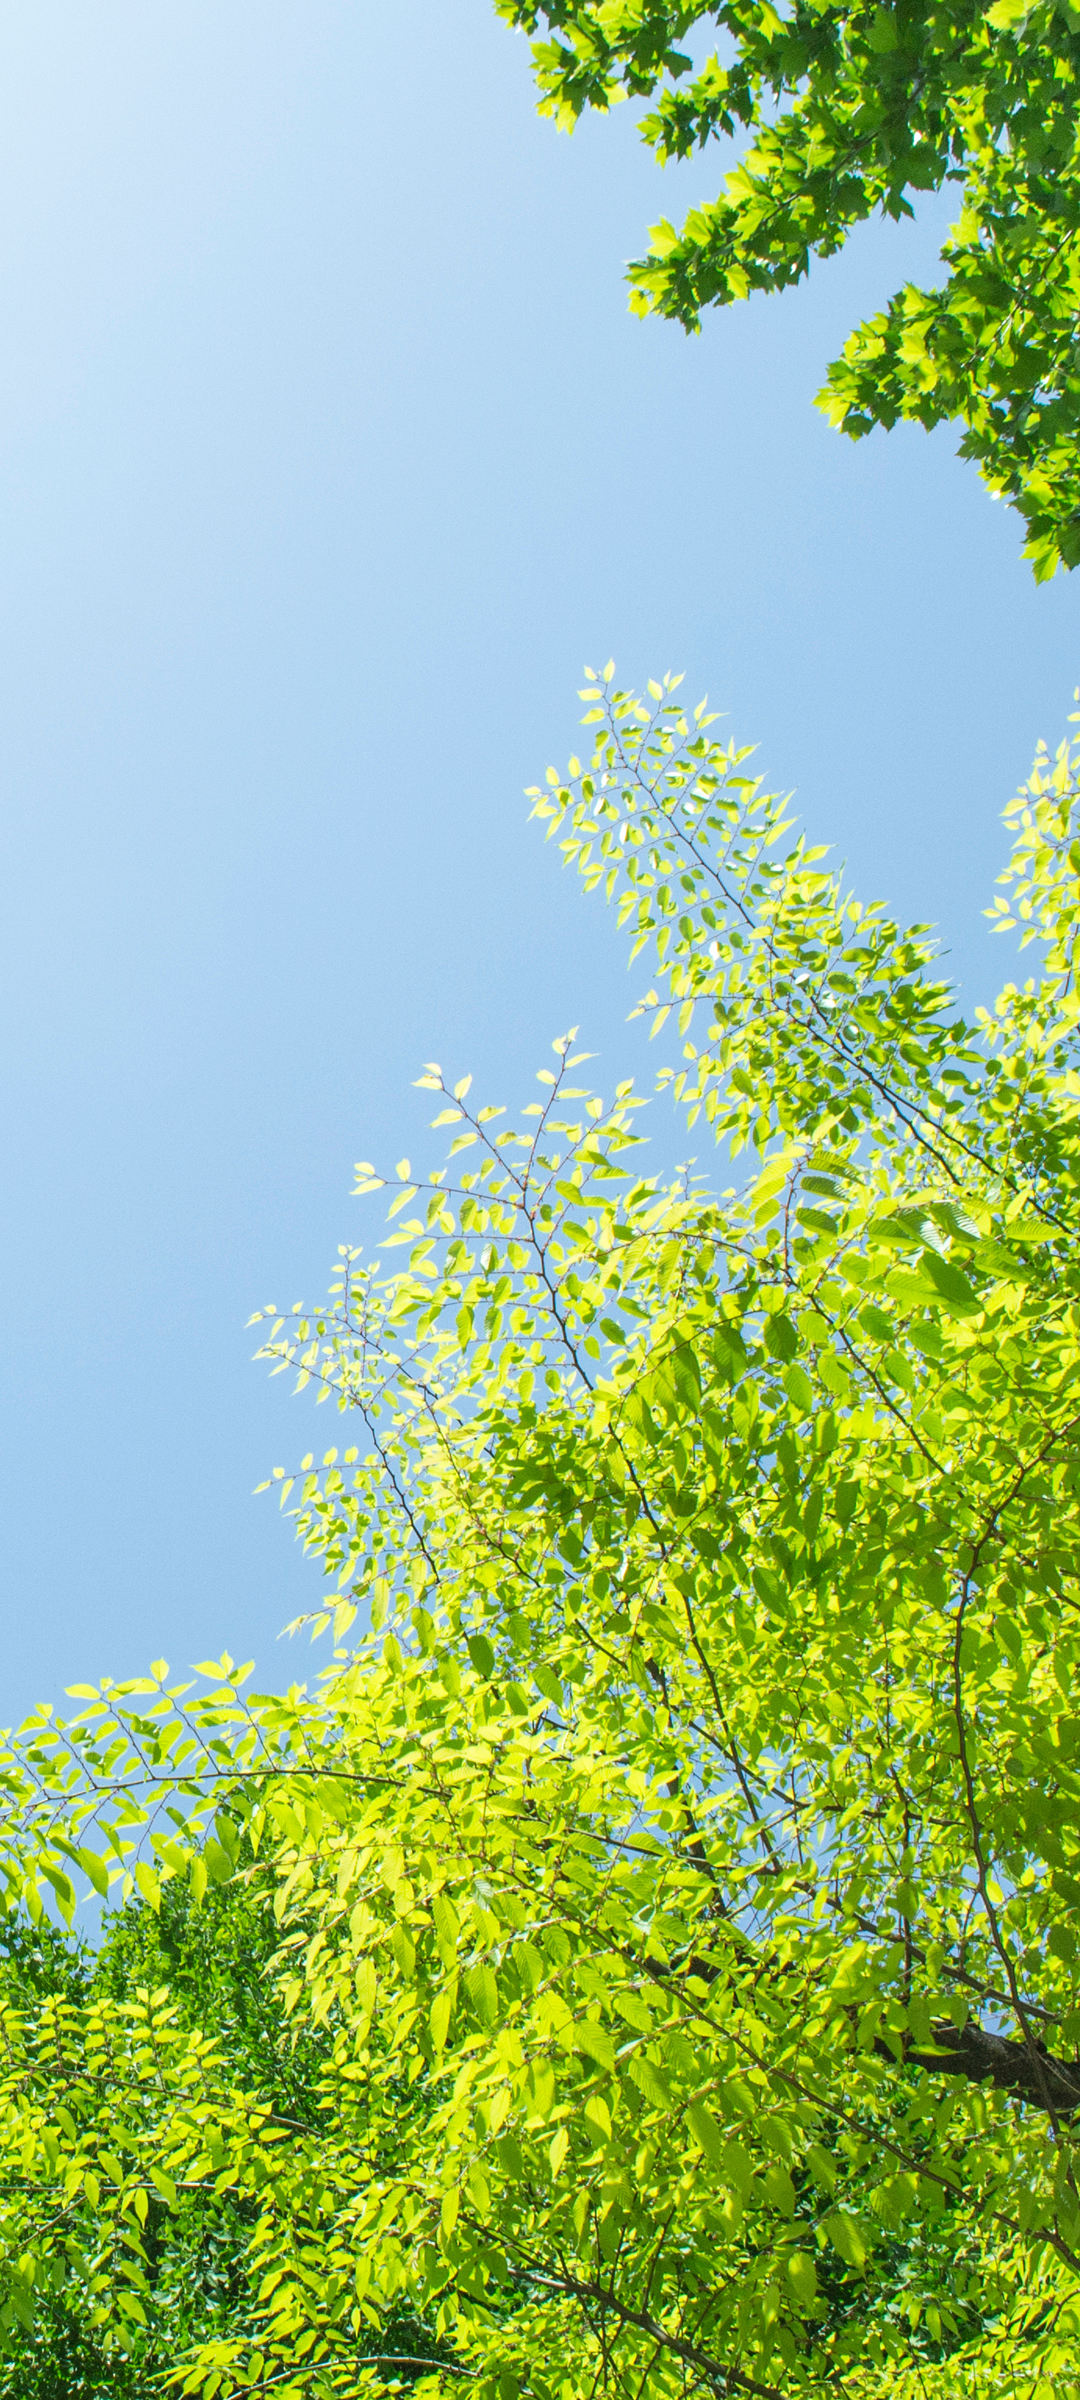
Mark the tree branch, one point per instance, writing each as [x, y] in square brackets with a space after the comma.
[1052, 2084]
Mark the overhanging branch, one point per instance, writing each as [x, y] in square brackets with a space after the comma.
[1052, 2084]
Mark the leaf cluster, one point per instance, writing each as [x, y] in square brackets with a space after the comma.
[841, 112]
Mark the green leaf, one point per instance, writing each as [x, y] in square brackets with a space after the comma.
[736, 2168]
[802, 2276]
[846, 2238]
[882, 35]
[481, 1653]
[483, 1991]
[442, 2009]
[706, 2132]
[149, 1883]
[799, 1389]
[779, 2190]
[651, 2082]
[953, 1287]
[595, 2043]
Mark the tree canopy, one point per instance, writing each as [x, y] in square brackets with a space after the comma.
[677, 1879]
[846, 111]
[94, 2324]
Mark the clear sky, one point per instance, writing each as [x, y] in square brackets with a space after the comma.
[328, 455]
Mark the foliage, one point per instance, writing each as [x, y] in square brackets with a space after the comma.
[851, 110]
[77, 2341]
[680, 1876]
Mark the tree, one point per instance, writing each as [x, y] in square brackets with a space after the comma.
[681, 1872]
[95, 2332]
[850, 111]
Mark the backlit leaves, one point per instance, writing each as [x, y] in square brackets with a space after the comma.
[842, 112]
[681, 1873]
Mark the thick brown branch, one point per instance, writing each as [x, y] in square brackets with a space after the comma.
[1052, 2084]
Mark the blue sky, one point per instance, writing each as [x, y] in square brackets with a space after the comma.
[328, 455]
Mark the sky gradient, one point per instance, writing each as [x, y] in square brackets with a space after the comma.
[328, 455]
